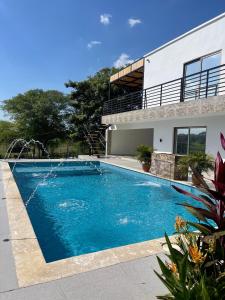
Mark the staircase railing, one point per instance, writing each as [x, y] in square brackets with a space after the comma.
[95, 140]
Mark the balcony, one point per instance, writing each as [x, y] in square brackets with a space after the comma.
[208, 83]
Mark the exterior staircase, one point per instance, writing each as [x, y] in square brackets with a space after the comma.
[96, 140]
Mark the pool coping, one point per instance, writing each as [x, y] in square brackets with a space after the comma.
[184, 183]
[31, 267]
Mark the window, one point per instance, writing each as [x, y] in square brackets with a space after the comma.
[189, 140]
[195, 85]
[210, 61]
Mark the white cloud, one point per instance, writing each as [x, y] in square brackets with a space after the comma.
[105, 19]
[133, 22]
[123, 60]
[93, 43]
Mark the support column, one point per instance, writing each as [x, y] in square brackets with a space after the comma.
[106, 142]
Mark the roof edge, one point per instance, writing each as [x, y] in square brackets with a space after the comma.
[186, 34]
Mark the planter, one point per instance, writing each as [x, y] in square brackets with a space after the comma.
[146, 167]
[195, 180]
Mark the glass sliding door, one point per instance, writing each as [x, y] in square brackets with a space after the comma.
[189, 140]
[181, 141]
[192, 82]
[209, 62]
[197, 139]
[195, 85]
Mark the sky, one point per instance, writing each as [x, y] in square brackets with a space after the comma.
[45, 43]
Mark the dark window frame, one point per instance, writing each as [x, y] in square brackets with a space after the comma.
[200, 58]
[188, 145]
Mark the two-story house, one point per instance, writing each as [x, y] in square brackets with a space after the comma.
[177, 103]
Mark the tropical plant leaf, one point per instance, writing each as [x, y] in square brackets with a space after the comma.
[204, 292]
[165, 282]
[218, 234]
[202, 200]
[166, 272]
[166, 297]
[200, 178]
[219, 186]
[183, 270]
[219, 170]
[222, 140]
[200, 213]
[195, 213]
[207, 198]
[206, 229]
[210, 263]
[175, 255]
[216, 195]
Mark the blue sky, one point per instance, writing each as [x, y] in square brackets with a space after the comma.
[44, 43]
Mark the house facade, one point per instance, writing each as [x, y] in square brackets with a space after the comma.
[176, 101]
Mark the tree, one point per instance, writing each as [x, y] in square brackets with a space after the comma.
[88, 97]
[8, 132]
[38, 114]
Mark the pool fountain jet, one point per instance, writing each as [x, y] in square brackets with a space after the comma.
[43, 180]
[12, 146]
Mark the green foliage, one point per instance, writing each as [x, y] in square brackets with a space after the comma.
[88, 97]
[197, 259]
[8, 131]
[192, 271]
[51, 116]
[68, 148]
[144, 154]
[198, 162]
[38, 114]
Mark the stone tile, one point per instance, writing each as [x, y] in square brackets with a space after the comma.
[96, 260]
[49, 291]
[108, 283]
[8, 279]
[4, 223]
[84, 278]
[141, 273]
[138, 250]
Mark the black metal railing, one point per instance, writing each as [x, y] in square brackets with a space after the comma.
[210, 82]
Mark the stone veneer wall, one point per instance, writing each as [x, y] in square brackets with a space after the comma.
[165, 165]
[202, 107]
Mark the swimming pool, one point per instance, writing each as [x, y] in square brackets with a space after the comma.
[87, 207]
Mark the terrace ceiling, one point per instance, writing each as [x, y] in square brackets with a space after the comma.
[131, 76]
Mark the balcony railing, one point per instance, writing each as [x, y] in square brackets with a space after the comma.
[210, 82]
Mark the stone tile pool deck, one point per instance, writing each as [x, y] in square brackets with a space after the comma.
[132, 279]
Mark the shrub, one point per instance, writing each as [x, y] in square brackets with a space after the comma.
[144, 154]
[197, 264]
[198, 162]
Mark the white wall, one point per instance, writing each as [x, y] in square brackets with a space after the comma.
[167, 63]
[125, 142]
[165, 130]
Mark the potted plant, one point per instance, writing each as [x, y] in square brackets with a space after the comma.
[144, 155]
[198, 163]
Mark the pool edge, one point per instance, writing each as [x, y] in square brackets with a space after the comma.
[31, 267]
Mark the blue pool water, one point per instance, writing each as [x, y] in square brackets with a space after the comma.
[77, 210]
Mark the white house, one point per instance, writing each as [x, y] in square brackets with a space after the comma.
[177, 103]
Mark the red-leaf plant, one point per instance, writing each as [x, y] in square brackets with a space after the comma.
[214, 202]
[197, 267]
[211, 223]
